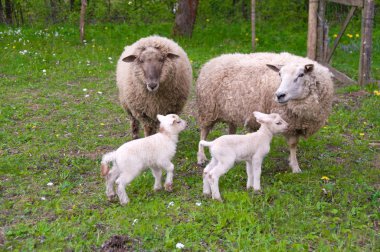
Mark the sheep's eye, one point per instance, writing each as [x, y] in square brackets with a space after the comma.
[279, 74]
[301, 75]
[178, 122]
[279, 123]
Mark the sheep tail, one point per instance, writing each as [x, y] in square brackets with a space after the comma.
[106, 159]
[204, 143]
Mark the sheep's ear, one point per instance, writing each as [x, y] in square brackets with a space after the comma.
[130, 58]
[160, 117]
[260, 117]
[275, 68]
[309, 68]
[172, 56]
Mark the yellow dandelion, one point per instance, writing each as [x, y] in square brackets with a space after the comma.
[256, 39]
[376, 92]
[14, 47]
[349, 35]
[357, 35]
[335, 35]
[207, 20]
[361, 134]
[102, 124]
[325, 178]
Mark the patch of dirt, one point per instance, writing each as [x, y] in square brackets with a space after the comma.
[121, 243]
[350, 101]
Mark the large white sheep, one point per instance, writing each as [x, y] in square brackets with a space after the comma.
[154, 76]
[232, 86]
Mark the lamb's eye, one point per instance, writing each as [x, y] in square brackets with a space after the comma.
[279, 123]
[178, 122]
[301, 75]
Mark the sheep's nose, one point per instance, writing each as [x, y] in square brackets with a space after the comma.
[280, 96]
[152, 85]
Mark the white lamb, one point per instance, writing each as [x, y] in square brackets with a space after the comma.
[155, 151]
[251, 148]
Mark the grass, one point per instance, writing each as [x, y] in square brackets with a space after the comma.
[59, 114]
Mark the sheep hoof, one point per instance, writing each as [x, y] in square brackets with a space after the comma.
[111, 197]
[168, 187]
[158, 188]
[207, 194]
[123, 203]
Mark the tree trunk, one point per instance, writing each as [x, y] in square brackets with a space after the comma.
[2, 16]
[82, 19]
[8, 11]
[54, 11]
[72, 5]
[185, 17]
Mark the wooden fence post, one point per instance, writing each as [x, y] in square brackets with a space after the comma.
[253, 23]
[82, 19]
[366, 44]
[312, 30]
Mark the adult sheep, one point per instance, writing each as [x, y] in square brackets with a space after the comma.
[153, 76]
[232, 86]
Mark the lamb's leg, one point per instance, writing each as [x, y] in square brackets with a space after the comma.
[110, 180]
[157, 173]
[214, 175]
[169, 177]
[123, 180]
[206, 184]
[249, 174]
[231, 128]
[201, 152]
[293, 162]
[256, 164]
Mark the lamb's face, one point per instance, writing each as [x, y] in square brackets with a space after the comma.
[151, 61]
[273, 122]
[294, 79]
[172, 123]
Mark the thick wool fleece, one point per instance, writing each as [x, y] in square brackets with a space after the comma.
[232, 86]
[175, 82]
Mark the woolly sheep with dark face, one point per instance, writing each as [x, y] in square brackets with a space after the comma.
[154, 76]
[231, 86]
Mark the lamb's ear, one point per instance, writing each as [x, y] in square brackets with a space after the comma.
[130, 58]
[160, 117]
[172, 56]
[309, 68]
[275, 68]
[260, 117]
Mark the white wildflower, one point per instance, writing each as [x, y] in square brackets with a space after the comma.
[50, 184]
[179, 245]
[43, 198]
[84, 89]
[198, 203]
[171, 203]
[134, 222]
[87, 95]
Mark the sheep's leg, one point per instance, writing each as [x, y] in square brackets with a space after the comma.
[135, 125]
[123, 180]
[231, 128]
[169, 177]
[157, 173]
[249, 174]
[293, 162]
[148, 130]
[110, 180]
[201, 152]
[206, 184]
[256, 164]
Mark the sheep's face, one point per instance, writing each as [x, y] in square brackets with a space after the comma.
[171, 123]
[273, 122]
[151, 61]
[294, 79]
